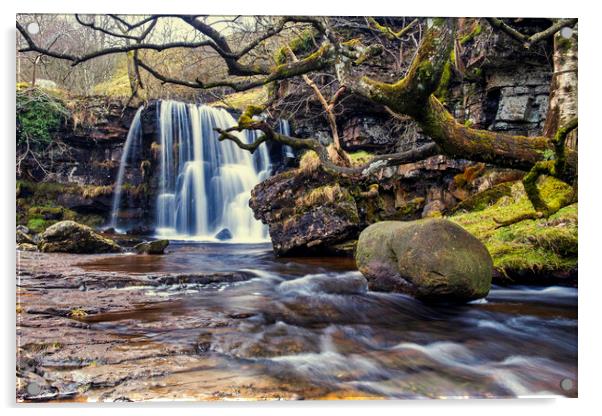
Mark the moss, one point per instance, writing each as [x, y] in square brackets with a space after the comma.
[300, 45]
[476, 31]
[39, 115]
[359, 158]
[37, 225]
[532, 245]
[37, 205]
[92, 191]
[482, 200]
[446, 75]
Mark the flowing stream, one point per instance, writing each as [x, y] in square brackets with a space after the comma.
[312, 320]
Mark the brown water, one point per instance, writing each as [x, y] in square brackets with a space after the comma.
[313, 320]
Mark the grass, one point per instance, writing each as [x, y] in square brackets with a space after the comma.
[310, 162]
[119, 84]
[240, 100]
[536, 245]
[360, 157]
[326, 194]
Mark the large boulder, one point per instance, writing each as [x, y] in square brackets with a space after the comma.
[433, 260]
[152, 247]
[71, 237]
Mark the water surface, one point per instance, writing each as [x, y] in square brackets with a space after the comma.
[311, 319]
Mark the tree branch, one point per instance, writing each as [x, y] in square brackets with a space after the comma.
[525, 40]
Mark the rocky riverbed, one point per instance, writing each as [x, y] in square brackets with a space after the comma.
[232, 322]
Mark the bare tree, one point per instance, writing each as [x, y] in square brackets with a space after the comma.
[245, 67]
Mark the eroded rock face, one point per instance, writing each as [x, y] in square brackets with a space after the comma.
[152, 247]
[301, 218]
[433, 260]
[71, 237]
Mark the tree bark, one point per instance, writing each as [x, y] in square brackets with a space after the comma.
[562, 105]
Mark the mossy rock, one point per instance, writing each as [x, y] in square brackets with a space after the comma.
[23, 238]
[71, 237]
[433, 260]
[152, 247]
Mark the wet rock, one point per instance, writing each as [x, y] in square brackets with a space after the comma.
[152, 247]
[27, 247]
[140, 230]
[71, 237]
[305, 212]
[23, 237]
[433, 209]
[23, 229]
[224, 234]
[432, 260]
[348, 283]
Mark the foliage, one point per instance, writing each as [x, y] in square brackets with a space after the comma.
[78, 313]
[39, 114]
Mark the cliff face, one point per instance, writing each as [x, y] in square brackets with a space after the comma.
[495, 84]
[77, 179]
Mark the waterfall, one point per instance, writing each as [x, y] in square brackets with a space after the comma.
[285, 128]
[134, 138]
[205, 184]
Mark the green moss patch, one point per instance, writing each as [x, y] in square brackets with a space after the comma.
[37, 206]
[541, 245]
[39, 115]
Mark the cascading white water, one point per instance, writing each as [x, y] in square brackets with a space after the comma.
[131, 147]
[285, 128]
[205, 184]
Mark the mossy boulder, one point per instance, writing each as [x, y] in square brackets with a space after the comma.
[72, 237]
[23, 238]
[433, 260]
[152, 247]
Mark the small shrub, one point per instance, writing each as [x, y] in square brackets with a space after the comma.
[38, 116]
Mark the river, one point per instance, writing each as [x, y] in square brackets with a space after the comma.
[299, 328]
